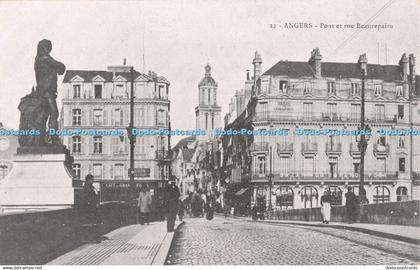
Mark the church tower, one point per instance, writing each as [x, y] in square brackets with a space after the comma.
[207, 113]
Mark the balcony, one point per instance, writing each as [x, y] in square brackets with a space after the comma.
[333, 148]
[259, 147]
[272, 116]
[284, 148]
[324, 175]
[162, 155]
[380, 150]
[354, 149]
[309, 148]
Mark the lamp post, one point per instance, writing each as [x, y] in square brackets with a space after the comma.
[365, 130]
[131, 137]
[270, 179]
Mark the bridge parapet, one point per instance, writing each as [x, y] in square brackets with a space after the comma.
[392, 213]
[38, 237]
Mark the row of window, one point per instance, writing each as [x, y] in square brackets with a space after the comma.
[309, 168]
[161, 92]
[120, 145]
[118, 171]
[331, 112]
[355, 88]
[99, 117]
[284, 195]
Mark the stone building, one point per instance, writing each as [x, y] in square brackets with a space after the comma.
[315, 108]
[192, 156]
[100, 100]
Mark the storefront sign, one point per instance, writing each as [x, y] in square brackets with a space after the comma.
[283, 106]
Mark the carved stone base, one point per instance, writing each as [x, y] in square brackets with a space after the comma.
[38, 182]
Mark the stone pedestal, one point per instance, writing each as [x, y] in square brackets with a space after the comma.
[41, 181]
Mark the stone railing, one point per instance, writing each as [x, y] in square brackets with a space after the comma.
[396, 213]
[38, 237]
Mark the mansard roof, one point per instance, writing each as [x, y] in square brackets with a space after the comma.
[88, 75]
[294, 69]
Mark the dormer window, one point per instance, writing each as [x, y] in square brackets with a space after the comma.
[331, 88]
[400, 90]
[98, 91]
[306, 87]
[119, 91]
[283, 86]
[76, 91]
[378, 90]
[354, 89]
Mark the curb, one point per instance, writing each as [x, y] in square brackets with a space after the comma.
[162, 254]
[343, 227]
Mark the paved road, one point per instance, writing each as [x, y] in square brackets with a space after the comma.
[232, 241]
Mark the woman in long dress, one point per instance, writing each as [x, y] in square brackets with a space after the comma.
[326, 207]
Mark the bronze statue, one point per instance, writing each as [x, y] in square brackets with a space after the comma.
[40, 106]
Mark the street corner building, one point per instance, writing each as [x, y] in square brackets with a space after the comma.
[292, 171]
[100, 100]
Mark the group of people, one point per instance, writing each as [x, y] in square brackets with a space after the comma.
[352, 202]
[197, 204]
[171, 205]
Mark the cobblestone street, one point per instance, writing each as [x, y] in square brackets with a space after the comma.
[232, 241]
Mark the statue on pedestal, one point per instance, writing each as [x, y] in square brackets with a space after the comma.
[40, 106]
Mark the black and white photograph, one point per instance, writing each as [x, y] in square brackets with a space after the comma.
[209, 133]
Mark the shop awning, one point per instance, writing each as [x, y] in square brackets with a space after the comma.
[241, 191]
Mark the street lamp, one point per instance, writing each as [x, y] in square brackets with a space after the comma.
[129, 69]
[270, 179]
[365, 130]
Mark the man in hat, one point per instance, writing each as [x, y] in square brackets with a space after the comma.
[171, 202]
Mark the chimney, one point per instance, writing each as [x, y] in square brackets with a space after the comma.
[125, 61]
[412, 67]
[315, 62]
[362, 63]
[404, 67]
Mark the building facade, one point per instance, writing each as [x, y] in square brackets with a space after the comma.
[315, 107]
[193, 155]
[100, 100]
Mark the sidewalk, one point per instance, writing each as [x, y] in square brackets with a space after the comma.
[129, 245]
[410, 234]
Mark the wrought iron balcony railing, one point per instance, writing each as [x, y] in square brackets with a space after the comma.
[325, 175]
[325, 117]
[310, 147]
[333, 147]
[285, 148]
[259, 146]
[381, 149]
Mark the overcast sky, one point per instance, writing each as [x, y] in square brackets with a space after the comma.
[181, 37]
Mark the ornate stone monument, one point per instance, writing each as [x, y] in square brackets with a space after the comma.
[42, 175]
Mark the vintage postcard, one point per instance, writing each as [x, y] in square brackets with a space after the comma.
[210, 133]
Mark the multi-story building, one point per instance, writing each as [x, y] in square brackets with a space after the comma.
[316, 106]
[192, 155]
[101, 100]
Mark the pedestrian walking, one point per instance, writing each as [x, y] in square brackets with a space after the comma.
[144, 204]
[351, 205]
[180, 210]
[91, 201]
[326, 200]
[171, 202]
